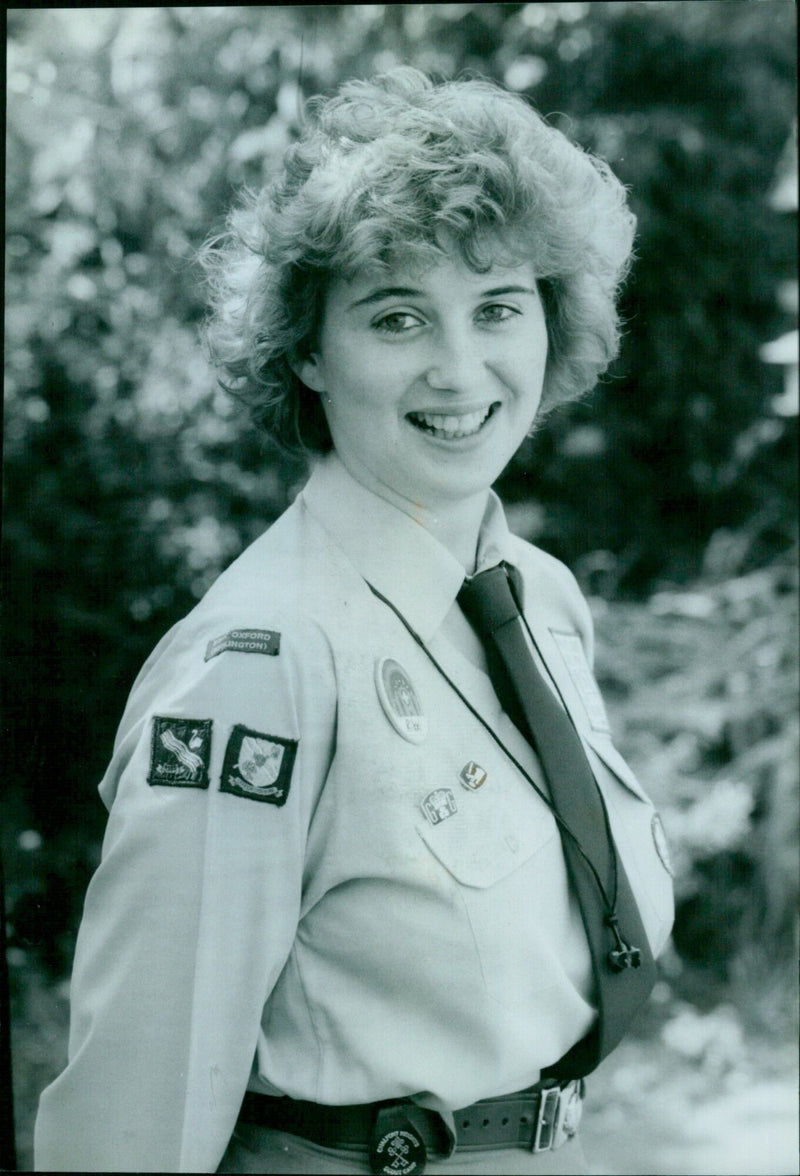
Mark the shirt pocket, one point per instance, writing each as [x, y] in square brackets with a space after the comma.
[488, 836]
[640, 840]
[502, 862]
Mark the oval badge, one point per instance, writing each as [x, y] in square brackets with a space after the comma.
[399, 700]
[660, 842]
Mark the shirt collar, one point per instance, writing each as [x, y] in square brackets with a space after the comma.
[394, 552]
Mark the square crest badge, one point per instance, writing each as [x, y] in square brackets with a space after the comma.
[472, 776]
[180, 752]
[439, 805]
[258, 766]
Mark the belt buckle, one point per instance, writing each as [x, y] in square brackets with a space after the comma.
[546, 1119]
[560, 1110]
[570, 1109]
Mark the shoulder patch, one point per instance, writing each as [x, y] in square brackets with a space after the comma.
[571, 649]
[245, 641]
[180, 752]
[258, 766]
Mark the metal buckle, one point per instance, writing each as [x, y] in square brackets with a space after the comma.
[546, 1121]
[560, 1112]
[570, 1109]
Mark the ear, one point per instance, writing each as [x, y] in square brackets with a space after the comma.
[308, 368]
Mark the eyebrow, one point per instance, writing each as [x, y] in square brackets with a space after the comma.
[385, 292]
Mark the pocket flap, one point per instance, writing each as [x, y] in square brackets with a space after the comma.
[484, 842]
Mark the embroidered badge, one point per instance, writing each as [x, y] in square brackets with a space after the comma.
[399, 700]
[571, 649]
[180, 752]
[399, 1153]
[472, 775]
[396, 1147]
[245, 641]
[258, 766]
[439, 805]
[660, 842]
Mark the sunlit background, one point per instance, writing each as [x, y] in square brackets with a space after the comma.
[131, 481]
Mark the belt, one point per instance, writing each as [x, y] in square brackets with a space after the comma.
[399, 1134]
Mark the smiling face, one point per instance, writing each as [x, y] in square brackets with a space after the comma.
[430, 380]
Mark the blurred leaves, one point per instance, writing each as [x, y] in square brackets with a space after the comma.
[703, 688]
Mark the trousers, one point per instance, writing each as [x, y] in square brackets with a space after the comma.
[261, 1149]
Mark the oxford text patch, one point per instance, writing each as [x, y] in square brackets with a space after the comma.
[180, 752]
[258, 766]
[245, 641]
[571, 649]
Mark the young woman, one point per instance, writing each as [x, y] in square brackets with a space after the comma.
[377, 890]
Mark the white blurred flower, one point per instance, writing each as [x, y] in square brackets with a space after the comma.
[715, 1039]
[718, 821]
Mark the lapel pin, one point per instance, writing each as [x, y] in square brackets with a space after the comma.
[472, 776]
[439, 805]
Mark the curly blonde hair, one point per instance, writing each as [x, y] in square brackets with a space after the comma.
[385, 171]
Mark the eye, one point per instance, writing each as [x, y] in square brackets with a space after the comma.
[397, 322]
[496, 312]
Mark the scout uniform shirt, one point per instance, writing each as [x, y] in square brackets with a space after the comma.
[321, 876]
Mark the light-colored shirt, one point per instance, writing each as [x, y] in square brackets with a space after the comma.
[321, 875]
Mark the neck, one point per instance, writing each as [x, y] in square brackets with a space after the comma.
[455, 524]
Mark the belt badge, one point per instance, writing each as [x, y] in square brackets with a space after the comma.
[439, 805]
[396, 1148]
[472, 776]
[400, 700]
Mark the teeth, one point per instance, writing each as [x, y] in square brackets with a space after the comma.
[448, 426]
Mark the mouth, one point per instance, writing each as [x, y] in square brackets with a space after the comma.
[452, 426]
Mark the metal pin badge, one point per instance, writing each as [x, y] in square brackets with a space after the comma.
[400, 700]
[439, 805]
[472, 776]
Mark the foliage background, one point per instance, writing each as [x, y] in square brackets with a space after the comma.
[131, 481]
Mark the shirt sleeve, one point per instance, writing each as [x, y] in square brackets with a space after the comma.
[192, 912]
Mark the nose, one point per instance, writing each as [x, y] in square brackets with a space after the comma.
[455, 365]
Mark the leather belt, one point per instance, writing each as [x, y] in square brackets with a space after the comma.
[539, 1119]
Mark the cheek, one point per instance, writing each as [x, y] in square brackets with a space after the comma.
[539, 353]
[357, 413]
[541, 343]
[527, 370]
[354, 400]
[361, 387]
